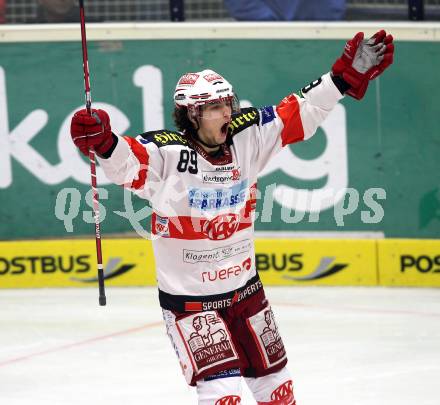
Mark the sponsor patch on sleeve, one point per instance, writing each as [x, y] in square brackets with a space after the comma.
[163, 138]
[267, 114]
[247, 118]
[162, 226]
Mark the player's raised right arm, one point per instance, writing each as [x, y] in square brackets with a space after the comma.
[124, 160]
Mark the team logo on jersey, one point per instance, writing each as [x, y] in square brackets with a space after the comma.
[214, 199]
[222, 226]
[220, 177]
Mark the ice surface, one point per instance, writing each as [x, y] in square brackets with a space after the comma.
[346, 346]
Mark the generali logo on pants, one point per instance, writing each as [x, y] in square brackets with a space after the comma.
[207, 340]
[265, 332]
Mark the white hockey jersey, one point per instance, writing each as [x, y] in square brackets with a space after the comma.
[202, 222]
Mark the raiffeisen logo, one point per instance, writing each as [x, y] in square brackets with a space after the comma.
[324, 269]
[112, 269]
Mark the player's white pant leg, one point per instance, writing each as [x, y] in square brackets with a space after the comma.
[221, 391]
[272, 389]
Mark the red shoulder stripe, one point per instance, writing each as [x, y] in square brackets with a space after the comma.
[142, 155]
[288, 111]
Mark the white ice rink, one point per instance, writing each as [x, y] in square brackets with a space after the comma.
[346, 346]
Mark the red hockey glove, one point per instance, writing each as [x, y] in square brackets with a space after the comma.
[91, 131]
[363, 60]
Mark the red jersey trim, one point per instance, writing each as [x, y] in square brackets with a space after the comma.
[142, 155]
[186, 227]
[289, 112]
[220, 227]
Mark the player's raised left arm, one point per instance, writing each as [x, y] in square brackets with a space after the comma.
[362, 61]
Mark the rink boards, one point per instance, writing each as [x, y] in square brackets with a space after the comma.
[369, 168]
[130, 262]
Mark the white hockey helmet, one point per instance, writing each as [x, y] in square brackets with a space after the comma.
[197, 89]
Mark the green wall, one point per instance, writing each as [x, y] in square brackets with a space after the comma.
[392, 135]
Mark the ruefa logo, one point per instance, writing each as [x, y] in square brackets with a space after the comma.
[224, 274]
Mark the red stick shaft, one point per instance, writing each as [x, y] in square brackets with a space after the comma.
[85, 57]
[88, 96]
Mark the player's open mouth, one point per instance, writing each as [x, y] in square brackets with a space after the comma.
[224, 128]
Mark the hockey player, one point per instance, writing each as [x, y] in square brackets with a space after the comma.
[201, 181]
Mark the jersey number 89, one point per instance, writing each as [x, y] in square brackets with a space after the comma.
[188, 161]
